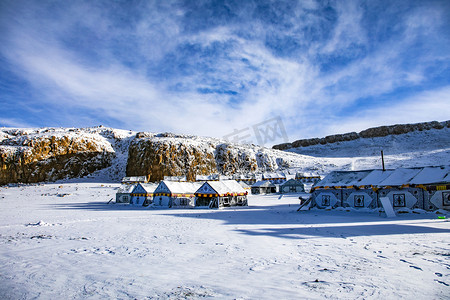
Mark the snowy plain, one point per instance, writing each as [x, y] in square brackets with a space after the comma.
[63, 241]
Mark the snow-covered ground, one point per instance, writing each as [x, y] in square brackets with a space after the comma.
[63, 241]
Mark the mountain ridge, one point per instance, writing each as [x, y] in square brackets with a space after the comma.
[108, 154]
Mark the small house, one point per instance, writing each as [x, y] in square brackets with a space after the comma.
[142, 194]
[249, 179]
[175, 178]
[307, 178]
[134, 180]
[123, 193]
[292, 186]
[215, 194]
[263, 187]
[275, 178]
[175, 194]
[203, 178]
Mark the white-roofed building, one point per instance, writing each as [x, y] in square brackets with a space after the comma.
[212, 177]
[292, 186]
[134, 179]
[214, 194]
[263, 187]
[175, 194]
[175, 178]
[123, 193]
[142, 194]
[422, 187]
[275, 178]
[249, 179]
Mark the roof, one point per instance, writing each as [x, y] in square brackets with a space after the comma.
[244, 176]
[125, 189]
[273, 175]
[149, 187]
[432, 175]
[292, 182]
[176, 187]
[244, 185]
[175, 178]
[343, 178]
[380, 178]
[135, 179]
[263, 183]
[225, 186]
[207, 177]
[399, 177]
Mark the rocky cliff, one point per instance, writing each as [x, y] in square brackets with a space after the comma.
[49, 154]
[179, 155]
[381, 131]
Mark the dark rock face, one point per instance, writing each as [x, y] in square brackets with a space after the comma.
[30, 158]
[368, 133]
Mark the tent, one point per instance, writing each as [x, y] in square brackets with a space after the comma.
[422, 187]
[142, 194]
[263, 187]
[175, 194]
[292, 186]
[214, 194]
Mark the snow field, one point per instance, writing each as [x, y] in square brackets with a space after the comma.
[62, 241]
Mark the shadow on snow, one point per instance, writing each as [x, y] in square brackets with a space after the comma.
[305, 224]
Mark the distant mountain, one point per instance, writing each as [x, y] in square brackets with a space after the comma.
[375, 132]
[404, 145]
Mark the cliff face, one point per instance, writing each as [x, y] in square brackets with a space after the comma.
[31, 156]
[169, 157]
[177, 155]
[381, 131]
[49, 154]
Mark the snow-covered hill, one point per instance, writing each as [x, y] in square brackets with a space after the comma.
[106, 154]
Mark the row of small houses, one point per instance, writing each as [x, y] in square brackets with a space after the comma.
[173, 194]
[249, 179]
[199, 194]
[425, 188]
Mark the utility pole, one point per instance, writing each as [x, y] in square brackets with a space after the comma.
[382, 160]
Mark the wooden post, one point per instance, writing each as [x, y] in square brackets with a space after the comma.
[382, 160]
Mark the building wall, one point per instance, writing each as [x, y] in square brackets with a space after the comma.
[287, 189]
[323, 198]
[408, 197]
[139, 200]
[438, 200]
[123, 198]
[363, 198]
[403, 198]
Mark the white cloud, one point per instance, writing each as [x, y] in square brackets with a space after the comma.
[293, 87]
[433, 105]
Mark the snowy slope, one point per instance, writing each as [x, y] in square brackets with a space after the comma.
[62, 241]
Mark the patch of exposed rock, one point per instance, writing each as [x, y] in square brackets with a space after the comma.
[368, 133]
[30, 156]
[177, 155]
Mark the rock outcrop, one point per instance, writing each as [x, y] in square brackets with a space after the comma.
[177, 155]
[30, 156]
[368, 133]
[159, 157]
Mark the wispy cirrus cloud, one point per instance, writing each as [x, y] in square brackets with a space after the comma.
[207, 68]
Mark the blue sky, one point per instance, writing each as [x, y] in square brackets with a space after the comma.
[209, 67]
